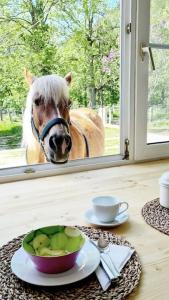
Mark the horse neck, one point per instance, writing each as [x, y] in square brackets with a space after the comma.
[78, 145]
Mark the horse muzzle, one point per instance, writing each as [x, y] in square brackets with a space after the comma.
[59, 148]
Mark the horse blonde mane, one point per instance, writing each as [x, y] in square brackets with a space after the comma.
[49, 87]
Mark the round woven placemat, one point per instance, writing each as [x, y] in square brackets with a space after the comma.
[12, 288]
[156, 215]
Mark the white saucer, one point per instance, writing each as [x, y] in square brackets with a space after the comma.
[91, 218]
[86, 263]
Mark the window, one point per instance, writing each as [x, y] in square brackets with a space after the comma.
[82, 37]
[94, 42]
[152, 91]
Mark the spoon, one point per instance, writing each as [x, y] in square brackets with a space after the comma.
[103, 245]
[104, 263]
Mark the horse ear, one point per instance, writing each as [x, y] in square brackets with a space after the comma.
[28, 76]
[68, 78]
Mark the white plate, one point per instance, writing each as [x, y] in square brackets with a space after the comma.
[91, 218]
[86, 263]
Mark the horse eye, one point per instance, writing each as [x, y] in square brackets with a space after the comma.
[38, 101]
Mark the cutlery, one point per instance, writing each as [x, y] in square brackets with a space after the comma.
[106, 267]
[103, 246]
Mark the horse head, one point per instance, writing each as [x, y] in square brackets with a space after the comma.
[49, 108]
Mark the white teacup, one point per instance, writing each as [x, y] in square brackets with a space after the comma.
[107, 208]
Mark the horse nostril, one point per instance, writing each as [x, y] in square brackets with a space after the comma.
[60, 141]
[67, 140]
[55, 141]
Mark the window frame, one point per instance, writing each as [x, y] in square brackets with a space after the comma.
[127, 80]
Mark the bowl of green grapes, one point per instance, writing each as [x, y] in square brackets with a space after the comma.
[54, 249]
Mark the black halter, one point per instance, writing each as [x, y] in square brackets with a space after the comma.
[40, 137]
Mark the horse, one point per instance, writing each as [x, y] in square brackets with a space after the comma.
[52, 132]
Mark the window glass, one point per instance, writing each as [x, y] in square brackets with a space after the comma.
[158, 97]
[78, 36]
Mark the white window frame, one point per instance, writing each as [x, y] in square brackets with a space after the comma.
[128, 13]
[143, 150]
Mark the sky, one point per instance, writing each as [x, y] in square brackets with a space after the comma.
[113, 2]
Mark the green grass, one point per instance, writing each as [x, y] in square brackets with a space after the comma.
[159, 124]
[10, 135]
[112, 140]
[10, 128]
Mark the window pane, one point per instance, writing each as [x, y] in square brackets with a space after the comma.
[77, 37]
[158, 97]
[159, 22]
[158, 101]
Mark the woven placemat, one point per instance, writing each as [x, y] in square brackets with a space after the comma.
[12, 288]
[156, 215]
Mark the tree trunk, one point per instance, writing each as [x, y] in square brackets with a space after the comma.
[91, 91]
[1, 115]
[163, 97]
[10, 115]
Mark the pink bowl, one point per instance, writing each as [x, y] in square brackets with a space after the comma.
[52, 264]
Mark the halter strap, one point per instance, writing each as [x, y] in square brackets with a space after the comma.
[49, 125]
[87, 145]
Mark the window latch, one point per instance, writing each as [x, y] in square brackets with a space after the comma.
[126, 152]
[144, 49]
[128, 28]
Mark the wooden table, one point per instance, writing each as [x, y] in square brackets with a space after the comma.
[63, 199]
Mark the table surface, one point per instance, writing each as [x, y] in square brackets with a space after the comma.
[63, 199]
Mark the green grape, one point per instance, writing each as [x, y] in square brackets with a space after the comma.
[48, 252]
[72, 231]
[74, 244]
[58, 241]
[40, 241]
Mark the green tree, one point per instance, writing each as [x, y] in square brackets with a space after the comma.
[57, 36]
[91, 33]
[26, 42]
[159, 33]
